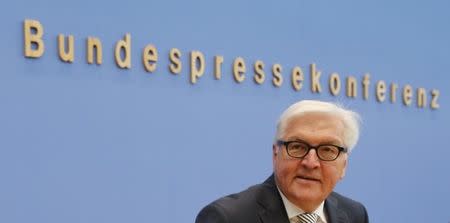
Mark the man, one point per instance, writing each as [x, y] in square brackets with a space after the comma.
[310, 153]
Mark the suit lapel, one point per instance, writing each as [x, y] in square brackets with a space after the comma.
[334, 214]
[272, 217]
[270, 204]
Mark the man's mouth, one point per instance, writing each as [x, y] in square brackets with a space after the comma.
[308, 178]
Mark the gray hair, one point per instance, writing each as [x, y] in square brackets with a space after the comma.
[350, 118]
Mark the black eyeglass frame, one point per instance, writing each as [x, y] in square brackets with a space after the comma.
[286, 144]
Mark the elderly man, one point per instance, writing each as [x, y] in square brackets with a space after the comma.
[310, 152]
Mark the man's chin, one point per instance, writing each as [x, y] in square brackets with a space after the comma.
[306, 200]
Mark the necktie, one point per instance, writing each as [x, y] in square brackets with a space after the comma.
[307, 218]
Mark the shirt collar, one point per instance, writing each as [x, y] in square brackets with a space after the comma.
[293, 210]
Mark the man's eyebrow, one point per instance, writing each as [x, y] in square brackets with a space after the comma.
[332, 142]
[295, 138]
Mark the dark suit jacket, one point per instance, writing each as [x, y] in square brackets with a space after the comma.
[262, 204]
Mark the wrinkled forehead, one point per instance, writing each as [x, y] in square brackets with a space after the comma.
[326, 125]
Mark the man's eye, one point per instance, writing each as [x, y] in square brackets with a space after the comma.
[297, 146]
[329, 149]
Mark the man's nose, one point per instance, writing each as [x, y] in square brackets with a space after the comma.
[311, 160]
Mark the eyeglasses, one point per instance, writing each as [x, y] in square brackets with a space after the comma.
[299, 149]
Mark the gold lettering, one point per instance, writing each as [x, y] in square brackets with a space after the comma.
[366, 82]
[335, 84]
[66, 55]
[381, 91]
[94, 43]
[434, 99]
[125, 46]
[150, 57]
[218, 60]
[407, 95]
[277, 78]
[421, 98]
[315, 79]
[239, 69]
[175, 62]
[197, 58]
[297, 78]
[260, 76]
[351, 87]
[33, 39]
[393, 92]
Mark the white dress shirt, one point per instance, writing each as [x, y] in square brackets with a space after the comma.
[292, 210]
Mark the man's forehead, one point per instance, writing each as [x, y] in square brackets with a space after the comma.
[329, 127]
[316, 120]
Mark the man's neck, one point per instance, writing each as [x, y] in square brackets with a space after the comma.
[293, 210]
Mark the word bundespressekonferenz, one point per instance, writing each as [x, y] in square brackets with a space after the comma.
[34, 47]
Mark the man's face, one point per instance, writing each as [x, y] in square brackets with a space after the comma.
[307, 182]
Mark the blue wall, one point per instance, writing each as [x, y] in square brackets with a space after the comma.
[87, 143]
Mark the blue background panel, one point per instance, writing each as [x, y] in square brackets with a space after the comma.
[88, 143]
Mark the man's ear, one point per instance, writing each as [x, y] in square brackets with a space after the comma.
[274, 154]
[344, 168]
[274, 150]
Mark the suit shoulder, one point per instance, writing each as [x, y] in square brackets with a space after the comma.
[232, 208]
[237, 201]
[345, 200]
[354, 209]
